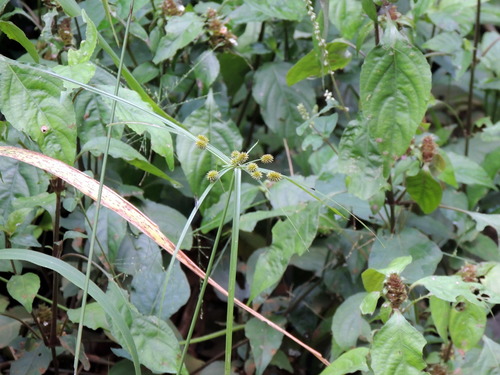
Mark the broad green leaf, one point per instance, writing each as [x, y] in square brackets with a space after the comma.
[453, 16]
[488, 362]
[291, 236]
[146, 72]
[360, 161]
[196, 163]
[450, 288]
[180, 31]
[23, 288]
[397, 348]
[161, 140]
[467, 323]
[397, 265]
[9, 330]
[249, 220]
[370, 9]
[293, 10]
[489, 59]
[440, 311]
[278, 101]
[447, 42]
[94, 318]
[111, 230]
[156, 343]
[425, 254]
[213, 215]
[395, 85]
[424, 190]
[32, 103]
[264, 342]
[121, 150]
[483, 220]
[34, 362]
[348, 323]
[233, 69]
[87, 46]
[311, 65]
[468, 171]
[349, 362]
[484, 247]
[147, 291]
[373, 280]
[79, 67]
[347, 16]
[15, 33]
[369, 303]
[207, 68]
[490, 280]
[138, 254]
[170, 221]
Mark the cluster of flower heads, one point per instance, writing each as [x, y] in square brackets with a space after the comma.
[317, 34]
[171, 8]
[240, 159]
[220, 36]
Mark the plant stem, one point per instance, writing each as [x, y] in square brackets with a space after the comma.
[288, 157]
[232, 270]
[477, 27]
[205, 283]
[390, 201]
[99, 195]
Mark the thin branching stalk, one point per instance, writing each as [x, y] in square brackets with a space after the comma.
[232, 270]
[190, 219]
[99, 195]
[205, 281]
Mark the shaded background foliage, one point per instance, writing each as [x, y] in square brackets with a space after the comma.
[378, 108]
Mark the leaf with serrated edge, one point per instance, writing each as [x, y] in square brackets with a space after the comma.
[395, 85]
[397, 348]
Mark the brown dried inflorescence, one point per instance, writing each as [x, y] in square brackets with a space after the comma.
[396, 290]
[220, 36]
[171, 8]
[428, 148]
[437, 369]
[468, 273]
[65, 33]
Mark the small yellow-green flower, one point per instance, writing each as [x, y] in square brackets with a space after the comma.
[212, 176]
[238, 158]
[256, 175]
[274, 176]
[202, 142]
[252, 167]
[267, 158]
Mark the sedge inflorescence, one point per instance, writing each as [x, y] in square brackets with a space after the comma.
[239, 159]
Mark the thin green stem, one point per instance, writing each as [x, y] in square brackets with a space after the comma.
[211, 336]
[99, 196]
[477, 27]
[204, 287]
[232, 270]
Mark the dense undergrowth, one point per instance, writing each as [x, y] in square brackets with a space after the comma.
[332, 165]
